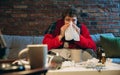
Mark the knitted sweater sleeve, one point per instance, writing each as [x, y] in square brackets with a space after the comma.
[52, 42]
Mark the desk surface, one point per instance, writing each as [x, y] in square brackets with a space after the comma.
[25, 72]
[109, 69]
[29, 72]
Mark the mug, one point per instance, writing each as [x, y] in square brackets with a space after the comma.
[36, 54]
[79, 55]
[76, 55]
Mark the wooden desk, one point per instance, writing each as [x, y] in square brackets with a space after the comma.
[109, 72]
[37, 71]
[25, 72]
[109, 69]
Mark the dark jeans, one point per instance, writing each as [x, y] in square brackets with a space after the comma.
[91, 52]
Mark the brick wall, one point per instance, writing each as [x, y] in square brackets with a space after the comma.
[32, 17]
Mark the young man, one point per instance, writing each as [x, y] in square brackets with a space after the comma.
[68, 33]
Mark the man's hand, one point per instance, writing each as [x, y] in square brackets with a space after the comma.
[62, 30]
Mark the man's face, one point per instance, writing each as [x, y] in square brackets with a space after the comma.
[70, 20]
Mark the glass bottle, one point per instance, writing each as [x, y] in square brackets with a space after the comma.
[103, 60]
[99, 54]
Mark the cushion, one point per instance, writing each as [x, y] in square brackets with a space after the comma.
[111, 46]
[96, 37]
[16, 43]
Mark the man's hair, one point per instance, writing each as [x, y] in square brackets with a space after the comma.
[70, 12]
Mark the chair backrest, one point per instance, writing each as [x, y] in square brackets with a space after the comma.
[2, 46]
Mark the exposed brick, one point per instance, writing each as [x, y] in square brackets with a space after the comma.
[25, 17]
[112, 30]
[20, 6]
[19, 15]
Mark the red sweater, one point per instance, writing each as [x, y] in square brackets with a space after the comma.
[86, 42]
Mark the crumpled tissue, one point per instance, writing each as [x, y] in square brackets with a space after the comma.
[71, 34]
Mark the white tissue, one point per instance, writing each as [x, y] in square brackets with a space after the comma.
[71, 34]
